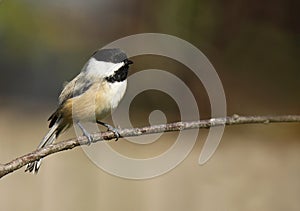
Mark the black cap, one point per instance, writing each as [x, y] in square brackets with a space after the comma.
[113, 55]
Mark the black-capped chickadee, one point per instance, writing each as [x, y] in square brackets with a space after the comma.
[90, 96]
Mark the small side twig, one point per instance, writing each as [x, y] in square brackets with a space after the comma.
[19, 162]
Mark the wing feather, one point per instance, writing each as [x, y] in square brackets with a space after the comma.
[74, 88]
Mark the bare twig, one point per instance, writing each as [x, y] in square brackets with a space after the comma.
[177, 126]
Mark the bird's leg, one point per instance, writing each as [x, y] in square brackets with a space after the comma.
[85, 133]
[110, 128]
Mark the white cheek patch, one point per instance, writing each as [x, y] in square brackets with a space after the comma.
[102, 69]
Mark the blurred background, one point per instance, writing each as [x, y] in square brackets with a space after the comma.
[253, 45]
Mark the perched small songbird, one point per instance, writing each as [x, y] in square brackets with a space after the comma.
[90, 96]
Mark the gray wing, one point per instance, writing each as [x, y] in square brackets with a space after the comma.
[76, 87]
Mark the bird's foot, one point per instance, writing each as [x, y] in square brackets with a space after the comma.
[112, 129]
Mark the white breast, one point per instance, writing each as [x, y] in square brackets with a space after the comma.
[116, 92]
[107, 98]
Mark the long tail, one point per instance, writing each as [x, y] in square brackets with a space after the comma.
[48, 139]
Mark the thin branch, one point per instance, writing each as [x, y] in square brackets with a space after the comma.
[177, 126]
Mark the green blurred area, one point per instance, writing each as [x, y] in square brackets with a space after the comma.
[254, 45]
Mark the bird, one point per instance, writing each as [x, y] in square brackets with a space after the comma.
[91, 96]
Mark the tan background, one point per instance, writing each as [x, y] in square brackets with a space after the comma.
[255, 168]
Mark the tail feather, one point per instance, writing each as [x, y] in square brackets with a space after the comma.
[48, 139]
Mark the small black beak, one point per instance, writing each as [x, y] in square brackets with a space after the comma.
[128, 62]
